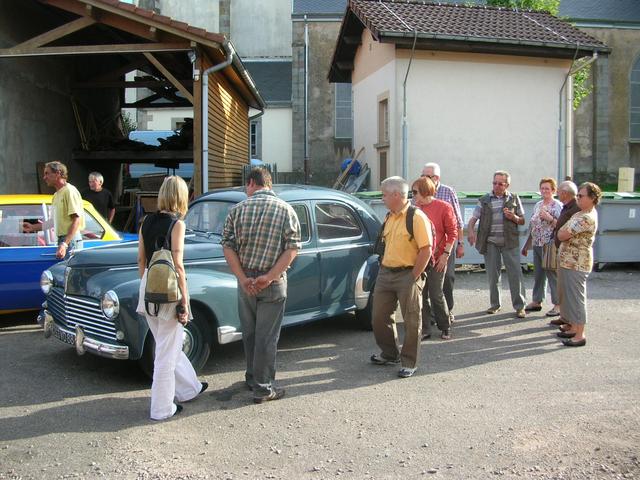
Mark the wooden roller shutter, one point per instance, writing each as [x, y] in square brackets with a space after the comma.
[228, 133]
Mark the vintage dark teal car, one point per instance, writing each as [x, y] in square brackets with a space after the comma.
[91, 298]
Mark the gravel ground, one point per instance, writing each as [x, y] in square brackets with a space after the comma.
[503, 399]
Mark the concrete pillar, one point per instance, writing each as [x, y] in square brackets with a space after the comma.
[601, 114]
[297, 97]
[224, 18]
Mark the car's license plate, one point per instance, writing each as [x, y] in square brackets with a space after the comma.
[64, 336]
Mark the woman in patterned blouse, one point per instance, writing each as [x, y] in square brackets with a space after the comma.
[575, 260]
[543, 221]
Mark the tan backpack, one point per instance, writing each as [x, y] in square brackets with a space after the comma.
[162, 278]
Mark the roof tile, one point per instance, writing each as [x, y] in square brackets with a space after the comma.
[469, 22]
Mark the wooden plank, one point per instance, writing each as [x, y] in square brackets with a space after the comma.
[169, 76]
[116, 48]
[54, 34]
[142, 156]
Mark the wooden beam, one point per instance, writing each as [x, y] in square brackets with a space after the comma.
[129, 84]
[117, 48]
[117, 73]
[169, 76]
[212, 39]
[55, 34]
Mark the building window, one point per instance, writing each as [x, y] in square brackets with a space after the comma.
[255, 139]
[343, 111]
[383, 121]
[634, 103]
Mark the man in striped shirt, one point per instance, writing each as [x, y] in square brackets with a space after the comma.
[448, 194]
[261, 237]
[499, 214]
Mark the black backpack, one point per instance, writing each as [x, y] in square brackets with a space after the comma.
[379, 245]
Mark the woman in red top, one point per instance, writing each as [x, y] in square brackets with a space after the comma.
[443, 219]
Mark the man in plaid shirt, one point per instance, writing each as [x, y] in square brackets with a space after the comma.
[261, 237]
[448, 194]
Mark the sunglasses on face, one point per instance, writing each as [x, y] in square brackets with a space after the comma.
[429, 176]
[415, 192]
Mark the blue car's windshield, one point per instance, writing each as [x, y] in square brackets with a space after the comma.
[207, 217]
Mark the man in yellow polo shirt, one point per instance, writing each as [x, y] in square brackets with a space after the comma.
[401, 279]
[68, 212]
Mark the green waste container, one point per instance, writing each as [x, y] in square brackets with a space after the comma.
[618, 229]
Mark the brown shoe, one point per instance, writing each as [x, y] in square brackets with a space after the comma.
[276, 394]
[557, 322]
[521, 313]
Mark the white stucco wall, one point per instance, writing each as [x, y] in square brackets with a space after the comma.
[471, 113]
[194, 12]
[474, 114]
[261, 29]
[366, 94]
[162, 118]
[276, 138]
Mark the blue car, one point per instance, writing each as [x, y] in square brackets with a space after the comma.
[24, 256]
[92, 297]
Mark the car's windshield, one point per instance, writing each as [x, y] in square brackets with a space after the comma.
[207, 217]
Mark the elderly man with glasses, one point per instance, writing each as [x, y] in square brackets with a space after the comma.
[499, 214]
[448, 194]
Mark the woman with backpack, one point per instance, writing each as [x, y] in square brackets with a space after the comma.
[173, 374]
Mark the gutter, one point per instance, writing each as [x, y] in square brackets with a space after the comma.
[232, 58]
[512, 41]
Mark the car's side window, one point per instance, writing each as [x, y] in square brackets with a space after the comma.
[303, 218]
[12, 217]
[92, 230]
[335, 220]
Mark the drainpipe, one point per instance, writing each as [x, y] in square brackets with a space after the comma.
[565, 128]
[306, 101]
[405, 133]
[228, 48]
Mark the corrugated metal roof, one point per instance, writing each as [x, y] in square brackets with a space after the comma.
[273, 79]
[321, 7]
[601, 10]
[469, 22]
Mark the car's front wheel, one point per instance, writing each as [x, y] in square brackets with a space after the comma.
[364, 317]
[197, 342]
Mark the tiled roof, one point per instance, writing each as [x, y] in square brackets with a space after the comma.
[469, 23]
[601, 10]
[321, 7]
[273, 79]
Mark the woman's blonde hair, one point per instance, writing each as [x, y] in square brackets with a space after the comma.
[425, 186]
[550, 181]
[174, 196]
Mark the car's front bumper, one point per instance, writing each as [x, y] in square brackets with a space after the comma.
[81, 342]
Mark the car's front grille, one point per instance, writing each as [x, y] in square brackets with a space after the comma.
[70, 310]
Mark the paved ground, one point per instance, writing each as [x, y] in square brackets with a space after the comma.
[502, 399]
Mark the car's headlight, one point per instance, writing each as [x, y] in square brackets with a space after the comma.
[46, 282]
[110, 304]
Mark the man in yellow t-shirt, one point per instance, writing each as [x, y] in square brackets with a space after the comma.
[68, 212]
[401, 279]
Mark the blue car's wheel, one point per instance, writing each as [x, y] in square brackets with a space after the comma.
[197, 344]
[364, 317]
[198, 339]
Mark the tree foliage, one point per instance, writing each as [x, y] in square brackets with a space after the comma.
[550, 6]
[581, 86]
